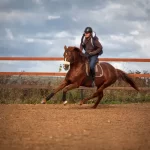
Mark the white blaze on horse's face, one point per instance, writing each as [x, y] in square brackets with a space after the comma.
[65, 61]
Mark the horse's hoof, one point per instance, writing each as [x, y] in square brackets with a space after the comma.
[43, 101]
[93, 107]
[65, 102]
[81, 103]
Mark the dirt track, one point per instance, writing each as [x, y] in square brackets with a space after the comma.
[110, 127]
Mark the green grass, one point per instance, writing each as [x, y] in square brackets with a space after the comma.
[34, 96]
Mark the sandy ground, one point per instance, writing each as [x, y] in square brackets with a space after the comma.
[74, 127]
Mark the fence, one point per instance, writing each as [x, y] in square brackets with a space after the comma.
[63, 74]
[61, 59]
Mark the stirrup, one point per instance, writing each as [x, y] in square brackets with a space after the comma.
[93, 84]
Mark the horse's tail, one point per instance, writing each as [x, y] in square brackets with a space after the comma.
[125, 77]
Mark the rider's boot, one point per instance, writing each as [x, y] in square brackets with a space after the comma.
[93, 78]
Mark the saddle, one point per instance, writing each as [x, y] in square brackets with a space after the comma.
[98, 69]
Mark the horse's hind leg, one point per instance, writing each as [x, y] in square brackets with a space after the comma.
[96, 94]
[98, 100]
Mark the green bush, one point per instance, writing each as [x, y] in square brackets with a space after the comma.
[34, 95]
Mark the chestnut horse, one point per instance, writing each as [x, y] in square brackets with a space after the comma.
[76, 76]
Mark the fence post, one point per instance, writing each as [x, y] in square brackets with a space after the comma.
[81, 94]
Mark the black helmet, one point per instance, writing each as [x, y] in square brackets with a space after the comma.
[88, 30]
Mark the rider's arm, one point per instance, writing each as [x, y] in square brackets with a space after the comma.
[81, 47]
[98, 46]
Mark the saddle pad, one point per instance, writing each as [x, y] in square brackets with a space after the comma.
[98, 70]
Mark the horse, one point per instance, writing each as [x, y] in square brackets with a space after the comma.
[77, 76]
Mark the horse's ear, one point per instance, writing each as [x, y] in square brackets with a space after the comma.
[65, 47]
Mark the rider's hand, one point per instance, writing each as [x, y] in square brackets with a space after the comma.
[91, 53]
[87, 54]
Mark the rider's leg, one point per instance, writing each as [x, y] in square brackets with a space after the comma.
[93, 61]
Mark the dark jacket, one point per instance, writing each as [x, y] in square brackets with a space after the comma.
[93, 49]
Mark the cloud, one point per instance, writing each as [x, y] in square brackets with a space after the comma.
[9, 34]
[38, 2]
[53, 17]
[121, 38]
[63, 34]
[135, 32]
[43, 27]
[39, 41]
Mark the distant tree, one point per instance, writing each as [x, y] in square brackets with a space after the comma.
[145, 72]
[137, 72]
[60, 68]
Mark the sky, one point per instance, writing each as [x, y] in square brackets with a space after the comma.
[42, 28]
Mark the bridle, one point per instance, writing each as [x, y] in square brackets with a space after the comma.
[66, 51]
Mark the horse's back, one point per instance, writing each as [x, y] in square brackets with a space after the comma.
[108, 69]
[106, 64]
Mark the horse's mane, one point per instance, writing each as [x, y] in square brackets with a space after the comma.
[83, 57]
[72, 48]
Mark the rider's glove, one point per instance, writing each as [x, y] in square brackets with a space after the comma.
[87, 54]
[92, 53]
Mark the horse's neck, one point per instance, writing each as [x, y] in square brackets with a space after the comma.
[77, 64]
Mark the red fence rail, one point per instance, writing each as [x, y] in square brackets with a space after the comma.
[61, 59]
[56, 74]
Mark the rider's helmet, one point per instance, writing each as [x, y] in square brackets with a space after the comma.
[88, 30]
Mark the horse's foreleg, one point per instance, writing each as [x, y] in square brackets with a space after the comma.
[60, 87]
[66, 89]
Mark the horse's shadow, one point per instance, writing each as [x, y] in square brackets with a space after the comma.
[89, 106]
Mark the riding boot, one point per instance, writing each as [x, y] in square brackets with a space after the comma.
[93, 78]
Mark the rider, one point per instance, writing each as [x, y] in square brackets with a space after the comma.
[92, 47]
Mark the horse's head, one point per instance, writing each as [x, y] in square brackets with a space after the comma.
[71, 55]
